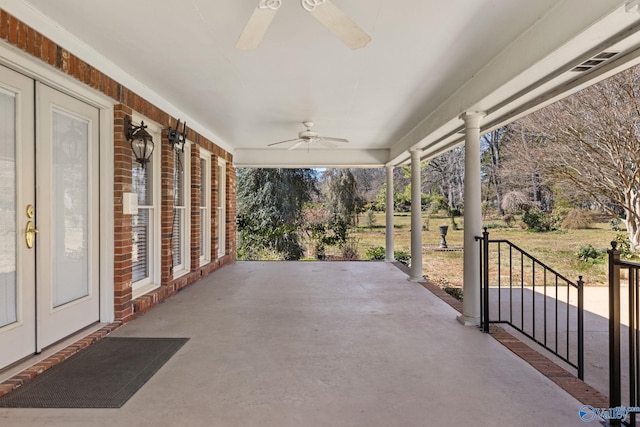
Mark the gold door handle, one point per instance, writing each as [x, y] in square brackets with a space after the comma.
[30, 234]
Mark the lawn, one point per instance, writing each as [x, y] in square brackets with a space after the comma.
[557, 249]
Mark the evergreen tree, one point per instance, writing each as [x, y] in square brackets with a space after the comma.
[343, 196]
[269, 204]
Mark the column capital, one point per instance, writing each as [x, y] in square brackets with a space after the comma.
[415, 153]
[472, 118]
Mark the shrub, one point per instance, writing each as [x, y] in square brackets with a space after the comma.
[577, 219]
[509, 219]
[454, 292]
[515, 201]
[557, 217]
[350, 249]
[259, 253]
[624, 246]
[588, 254]
[426, 221]
[536, 220]
[370, 218]
[615, 224]
[376, 253]
[402, 256]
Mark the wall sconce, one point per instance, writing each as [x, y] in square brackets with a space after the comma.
[141, 141]
[177, 138]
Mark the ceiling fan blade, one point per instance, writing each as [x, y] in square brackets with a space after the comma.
[329, 138]
[299, 143]
[256, 27]
[282, 142]
[327, 144]
[340, 25]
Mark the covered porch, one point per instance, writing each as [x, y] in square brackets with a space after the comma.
[301, 343]
[329, 343]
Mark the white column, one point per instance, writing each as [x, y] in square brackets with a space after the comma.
[389, 257]
[472, 219]
[416, 219]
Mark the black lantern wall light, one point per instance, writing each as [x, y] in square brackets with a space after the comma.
[141, 141]
[177, 138]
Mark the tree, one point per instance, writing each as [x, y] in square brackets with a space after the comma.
[444, 175]
[592, 141]
[343, 195]
[492, 143]
[523, 168]
[270, 203]
[369, 181]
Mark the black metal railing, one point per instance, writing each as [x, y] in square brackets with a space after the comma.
[519, 290]
[632, 389]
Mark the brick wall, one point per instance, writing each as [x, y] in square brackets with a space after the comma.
[195, 208]
[126, 102]
[214, 206]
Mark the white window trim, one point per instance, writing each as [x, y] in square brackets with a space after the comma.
[152, 282]
[205, 234]
[185, 244]
[222, 205]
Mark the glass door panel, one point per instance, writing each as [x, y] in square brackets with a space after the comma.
[8, 284]
[70, 140]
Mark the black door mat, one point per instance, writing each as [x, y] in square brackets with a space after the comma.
[104, 375]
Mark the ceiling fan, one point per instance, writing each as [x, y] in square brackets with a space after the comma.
[327, 13]
[311, 137]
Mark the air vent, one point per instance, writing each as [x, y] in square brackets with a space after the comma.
[591, 63]
[605, 55]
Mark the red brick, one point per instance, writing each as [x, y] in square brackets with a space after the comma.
[4, 25]
[13, 30]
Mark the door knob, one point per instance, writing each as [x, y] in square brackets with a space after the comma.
[30, 234]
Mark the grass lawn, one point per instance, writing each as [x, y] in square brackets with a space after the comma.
[557, 249]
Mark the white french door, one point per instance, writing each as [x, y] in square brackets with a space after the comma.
[49, 225]
[67, 198]
[17, 191]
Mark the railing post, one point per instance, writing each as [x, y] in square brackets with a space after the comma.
[580, 328]
[485, 278]
[481, 263]
[633, 343]
[615, 399]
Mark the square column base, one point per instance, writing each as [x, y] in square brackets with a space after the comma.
[468, 321]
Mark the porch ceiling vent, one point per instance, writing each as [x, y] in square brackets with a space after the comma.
[595, 61]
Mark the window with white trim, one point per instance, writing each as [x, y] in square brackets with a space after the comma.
[205, 207]
[145, 224]
[222, 202]
[180, 227]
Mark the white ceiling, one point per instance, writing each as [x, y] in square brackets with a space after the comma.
[428, 61]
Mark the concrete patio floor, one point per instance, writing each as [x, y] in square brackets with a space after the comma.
[322, 344]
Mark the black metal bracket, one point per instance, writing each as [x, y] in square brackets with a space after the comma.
[176, 138]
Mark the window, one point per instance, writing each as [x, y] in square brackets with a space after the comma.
[205, 207]
[142, 222]
[180, 233]
[145, 230]
[222, 202]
